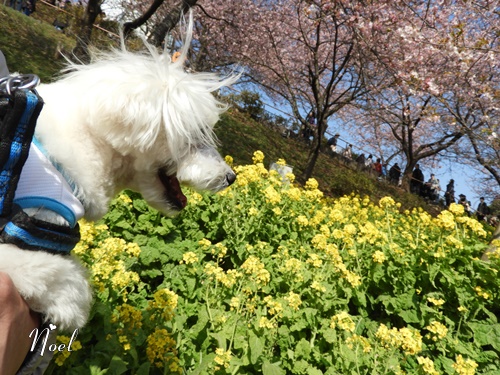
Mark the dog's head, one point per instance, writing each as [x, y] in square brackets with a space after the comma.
[157, 119]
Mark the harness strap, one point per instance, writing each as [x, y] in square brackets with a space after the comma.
[18, 115]
[32, 234]
[19, 111]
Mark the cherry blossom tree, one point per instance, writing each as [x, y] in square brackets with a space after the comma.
[302, 53]
[431, 68]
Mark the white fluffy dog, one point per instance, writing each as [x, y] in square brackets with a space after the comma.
[126, 120]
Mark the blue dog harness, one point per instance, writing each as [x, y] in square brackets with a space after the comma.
[20, 107]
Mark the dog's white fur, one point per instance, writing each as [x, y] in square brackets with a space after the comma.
[124, 121]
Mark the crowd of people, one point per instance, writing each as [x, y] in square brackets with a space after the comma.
[24, 6]
[429, 190]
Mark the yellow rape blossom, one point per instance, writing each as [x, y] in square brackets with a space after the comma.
[229, 160]
[456, 209]
[344, 321]
[436, 301]
[60, 356]
[464, 366]
[437, 331]
[165, 302]
[258, 157]
[161, 348]
[272, 196]
[359, 340]
[387, 202]
[410, 341]
[293, 300]
[189, 258]
[378, 257]
[311, 184]
[427, 365]
[222, 357]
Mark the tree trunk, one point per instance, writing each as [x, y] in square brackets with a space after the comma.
[81, 50]
[311, 160]
[169, 22]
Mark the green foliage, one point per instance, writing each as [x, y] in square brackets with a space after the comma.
[268, 278]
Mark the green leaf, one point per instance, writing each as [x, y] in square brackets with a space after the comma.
[486, 334]
[272, 369]
[144, 369]
[303, 349]
[117, 366]
[256, 345]
[314, 371]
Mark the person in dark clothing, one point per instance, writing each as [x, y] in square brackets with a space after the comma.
[482, 210]
[360, 160]
[449, 195]
[417, 180]
[394, 174]
[332, 143]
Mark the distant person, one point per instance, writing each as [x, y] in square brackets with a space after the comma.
[311, 119]
[369, 163]
[433, 187]
[394, 174]
[464, 202]
[29, 6]
[348, 152]
[449, 195]
[384, 171]
[417, 180]
[482, 210]
[332, 142]
[377, 167]
[16, 4]
[360, 161]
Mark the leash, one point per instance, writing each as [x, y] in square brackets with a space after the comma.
[20, 106]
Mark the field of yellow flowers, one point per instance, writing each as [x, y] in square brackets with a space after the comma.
[269, 278]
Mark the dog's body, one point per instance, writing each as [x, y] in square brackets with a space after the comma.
[136, 121]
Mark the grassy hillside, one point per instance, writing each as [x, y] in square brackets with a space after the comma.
[32, 45]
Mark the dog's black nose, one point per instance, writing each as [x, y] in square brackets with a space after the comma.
[230, 178]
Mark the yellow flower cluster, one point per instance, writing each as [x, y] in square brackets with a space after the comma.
[272, 196]
[438, 331]
[266, 323]
[356, 340]
[161, 350]
[164, 302]
[254, 267]
[344, 321]
[222, 358]
[88, 233]
[464, 366]
[436, 301]
[409, 340]
[130, 321]
[379, 257]
[427, 365]
[258, 157]
[274, 307]
[482, 293]
[294, 300]
[107, 259]
[228, 279]
[189, 258]
[60, 356]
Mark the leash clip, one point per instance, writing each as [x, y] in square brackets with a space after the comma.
[8, 85]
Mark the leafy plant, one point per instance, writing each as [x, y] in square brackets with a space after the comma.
[269, 278]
